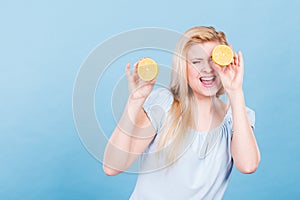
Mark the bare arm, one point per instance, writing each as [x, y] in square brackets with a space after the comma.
[134, 131]
[244, 149]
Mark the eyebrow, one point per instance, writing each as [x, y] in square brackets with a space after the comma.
[197, 59]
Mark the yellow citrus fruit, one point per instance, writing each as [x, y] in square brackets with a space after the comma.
[147, 69]
[222, 55]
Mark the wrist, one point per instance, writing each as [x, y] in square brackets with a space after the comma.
[136, 101]
[134, 113]
[236, 95]
[134, 105]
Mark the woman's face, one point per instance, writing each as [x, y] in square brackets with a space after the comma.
[202, 78]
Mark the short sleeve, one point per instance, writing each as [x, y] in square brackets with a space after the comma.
[250, 114]
[251, 117]
[157, 106]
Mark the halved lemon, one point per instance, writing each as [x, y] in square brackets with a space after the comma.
[147, 69]
[222, 55]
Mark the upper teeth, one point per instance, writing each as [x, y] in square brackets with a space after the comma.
[207, 78]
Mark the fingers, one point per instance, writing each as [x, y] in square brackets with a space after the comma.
[127, 69]
[241, 59]
[134, 74]
[238, 59]
[233, 65]
[136, 65]
[235, 59]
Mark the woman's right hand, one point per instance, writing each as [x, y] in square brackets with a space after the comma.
[134, 132]
[138, 88]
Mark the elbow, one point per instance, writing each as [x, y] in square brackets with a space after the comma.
[109, 171]
[249, 168]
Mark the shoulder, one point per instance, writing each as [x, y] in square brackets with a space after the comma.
[250, 114]
[161, 97]
[157, 105]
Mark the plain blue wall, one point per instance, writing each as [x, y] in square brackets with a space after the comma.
[43, 44]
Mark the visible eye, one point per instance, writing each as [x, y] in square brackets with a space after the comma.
[197, 62]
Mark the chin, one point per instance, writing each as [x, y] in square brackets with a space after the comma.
[210, 93]
[205, 93]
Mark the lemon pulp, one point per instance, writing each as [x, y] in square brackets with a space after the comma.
[147, 69]
[222, 55]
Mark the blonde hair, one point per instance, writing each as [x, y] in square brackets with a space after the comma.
[181, 116]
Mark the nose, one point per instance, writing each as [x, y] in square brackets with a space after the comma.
[207, 67]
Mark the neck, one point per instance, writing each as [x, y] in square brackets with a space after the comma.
[206, 104]
[209, 113]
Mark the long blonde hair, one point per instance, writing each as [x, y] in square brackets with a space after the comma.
[181, 116]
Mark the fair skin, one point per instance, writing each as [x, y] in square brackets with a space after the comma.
[205, 83]
[135, 131]
[205, 78]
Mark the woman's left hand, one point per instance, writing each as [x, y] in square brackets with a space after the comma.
[232, 75]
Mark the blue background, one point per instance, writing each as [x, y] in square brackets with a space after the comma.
[43, 44]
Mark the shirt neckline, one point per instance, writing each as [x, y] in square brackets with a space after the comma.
[217, 127]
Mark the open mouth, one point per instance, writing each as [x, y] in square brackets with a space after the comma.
[208, 81]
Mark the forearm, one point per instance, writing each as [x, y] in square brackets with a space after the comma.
[121, 150]
[244, 148]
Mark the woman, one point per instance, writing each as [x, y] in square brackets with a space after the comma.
[188, 138]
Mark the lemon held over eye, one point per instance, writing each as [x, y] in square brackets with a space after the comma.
[147, 69]
[222, 55]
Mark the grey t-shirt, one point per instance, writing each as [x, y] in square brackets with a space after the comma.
[202, 171]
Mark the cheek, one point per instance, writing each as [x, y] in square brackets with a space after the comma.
[192, 72]
[193, 77]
